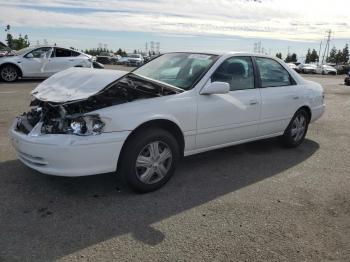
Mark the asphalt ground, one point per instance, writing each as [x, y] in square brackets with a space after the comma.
[253, 202]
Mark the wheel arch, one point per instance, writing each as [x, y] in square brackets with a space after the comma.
[307, 109]
[165, 124]
[13, 64]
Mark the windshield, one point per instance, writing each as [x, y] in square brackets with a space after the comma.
[135, 56]
[178, 69]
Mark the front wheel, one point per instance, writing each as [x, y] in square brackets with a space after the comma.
[149, 160]
[9, 73]
[296, 131]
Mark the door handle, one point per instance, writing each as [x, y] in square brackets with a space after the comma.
[295, 97]
[71, 60]
[253, 102]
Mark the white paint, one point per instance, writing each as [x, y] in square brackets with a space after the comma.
[207, 121]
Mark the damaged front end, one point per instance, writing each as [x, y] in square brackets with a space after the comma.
[76, 117]
[49, 119]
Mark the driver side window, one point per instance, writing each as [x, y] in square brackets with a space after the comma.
[237, 72]
[40, 52]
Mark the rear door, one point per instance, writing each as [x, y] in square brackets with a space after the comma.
[280, 96]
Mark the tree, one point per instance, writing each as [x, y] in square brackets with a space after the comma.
[16, 43]
[339, 57]
[313, 56]
[120, 52]
[307, 57]
[332, 55]
[279, 55]
[345, 54]
[291, 58]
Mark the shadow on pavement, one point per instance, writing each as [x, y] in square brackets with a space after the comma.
[43, 218]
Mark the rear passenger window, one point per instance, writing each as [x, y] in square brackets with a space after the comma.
[237, 71]
[60, 52]
[75, 53]
[272, 73]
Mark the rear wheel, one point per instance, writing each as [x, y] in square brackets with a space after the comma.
[9, 73]
[149, 160]
[296, 131]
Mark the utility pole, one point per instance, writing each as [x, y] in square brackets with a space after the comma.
[146, 48]
[326, 49]
[319, 54]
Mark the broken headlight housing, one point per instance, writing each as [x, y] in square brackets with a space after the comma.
[85, 125]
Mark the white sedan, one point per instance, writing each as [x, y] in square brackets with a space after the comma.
[40, 62]
[326, 70]
[86, 121]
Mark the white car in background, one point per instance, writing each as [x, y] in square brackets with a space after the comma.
[135, 60]
[140, 123]
[293, 66]
[41, 62]
[307, 68]
[326, 70]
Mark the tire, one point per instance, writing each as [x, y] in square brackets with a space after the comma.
[9, 73]
[323, 73]
[141, 167]
[296, 131]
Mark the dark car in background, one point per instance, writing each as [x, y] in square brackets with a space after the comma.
[106, 58]
[347, 79]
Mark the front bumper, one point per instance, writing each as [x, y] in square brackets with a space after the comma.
[69, 155]
[317, 112]
[134, 63]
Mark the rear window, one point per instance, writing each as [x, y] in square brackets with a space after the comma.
[272, 73]
[60, 52]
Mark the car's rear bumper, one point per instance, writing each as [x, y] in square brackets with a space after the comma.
[69, 155]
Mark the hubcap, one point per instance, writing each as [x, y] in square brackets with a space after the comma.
[153, 162]
[298, 127]
[8, 73]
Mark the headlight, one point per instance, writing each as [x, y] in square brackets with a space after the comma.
[86, 125]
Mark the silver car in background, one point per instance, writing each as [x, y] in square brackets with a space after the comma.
[326, 70]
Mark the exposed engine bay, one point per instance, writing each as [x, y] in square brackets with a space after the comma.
[73, 117]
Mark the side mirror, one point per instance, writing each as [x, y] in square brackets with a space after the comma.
[30, 55]
[216, 88]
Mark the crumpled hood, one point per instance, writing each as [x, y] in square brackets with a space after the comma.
[75, 84]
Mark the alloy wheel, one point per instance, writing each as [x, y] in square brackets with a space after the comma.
[153, 162]
[298, 127]
[9, 73]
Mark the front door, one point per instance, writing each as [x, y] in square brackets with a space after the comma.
[231, 117]
[34, 64]
[61, 59]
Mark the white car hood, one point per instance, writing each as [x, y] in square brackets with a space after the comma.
[75, 84]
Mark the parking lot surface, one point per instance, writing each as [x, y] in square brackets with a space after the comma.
[253, 202]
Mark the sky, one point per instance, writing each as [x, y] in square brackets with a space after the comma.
[188, 25]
